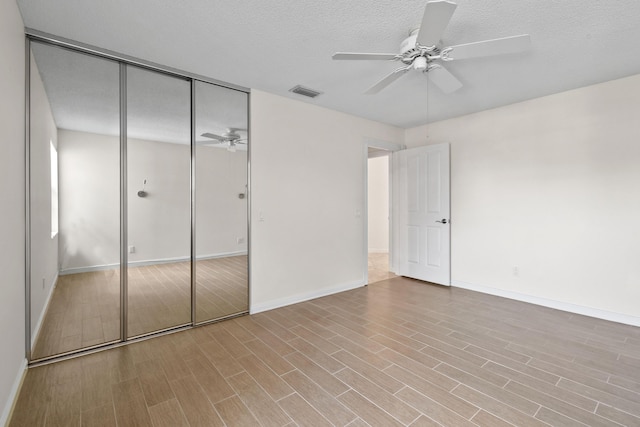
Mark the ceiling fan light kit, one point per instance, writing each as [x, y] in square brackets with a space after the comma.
[422, 50]
[420, 63]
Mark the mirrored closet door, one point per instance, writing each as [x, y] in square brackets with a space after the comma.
[74, 197]
[221, 202]
[158, 201]
[137, 200]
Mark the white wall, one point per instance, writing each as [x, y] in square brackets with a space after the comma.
[308, 192]
[159, 224]
[378, 204]
[550, 186]
[44, 248]
[12, 226]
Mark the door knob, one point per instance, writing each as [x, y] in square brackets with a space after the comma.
[442, 221]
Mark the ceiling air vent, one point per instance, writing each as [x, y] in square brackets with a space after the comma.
[305, 91]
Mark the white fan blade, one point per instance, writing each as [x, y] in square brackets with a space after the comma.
[211, 144]
[213, 136]
[364, 56]
[387, 80]
[513, 44]
[442, 78]
[437, 15]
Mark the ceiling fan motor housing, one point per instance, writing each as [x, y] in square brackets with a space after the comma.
[415, 55]
[231, 136]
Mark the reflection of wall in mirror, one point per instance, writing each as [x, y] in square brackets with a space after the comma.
[159, 224]
[89, 200]
[44, 248]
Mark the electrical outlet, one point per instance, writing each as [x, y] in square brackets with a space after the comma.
[240, 240]
[132, 249]
[516, 271]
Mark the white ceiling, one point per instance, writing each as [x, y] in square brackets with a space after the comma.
[275, 45]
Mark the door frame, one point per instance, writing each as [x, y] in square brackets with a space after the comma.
[391, 147]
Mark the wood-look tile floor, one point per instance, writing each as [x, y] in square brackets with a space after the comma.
[397, 352]
[85, 307]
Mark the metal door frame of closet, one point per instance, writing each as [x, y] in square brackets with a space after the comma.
[124, 61]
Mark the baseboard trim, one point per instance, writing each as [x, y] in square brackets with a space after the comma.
[545, 302]
[45, 307]
[378, 251]
[92, 268]
[294, 299]
[13, 394]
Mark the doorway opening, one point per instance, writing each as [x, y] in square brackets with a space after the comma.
[378, 215]
[378, 235]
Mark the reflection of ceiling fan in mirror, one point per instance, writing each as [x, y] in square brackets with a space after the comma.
[423, 51]
[231, 139]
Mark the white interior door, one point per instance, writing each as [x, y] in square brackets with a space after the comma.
[423, 250]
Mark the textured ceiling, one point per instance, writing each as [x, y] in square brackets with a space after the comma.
[273, 45]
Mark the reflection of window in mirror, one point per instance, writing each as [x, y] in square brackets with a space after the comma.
[54, 189]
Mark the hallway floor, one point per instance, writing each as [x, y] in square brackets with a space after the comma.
[379, 267]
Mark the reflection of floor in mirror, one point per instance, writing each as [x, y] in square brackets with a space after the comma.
[221, 287]
[379, 267]
[85, 307]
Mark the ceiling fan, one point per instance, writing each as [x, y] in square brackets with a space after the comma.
[423, 51]
[231, 139]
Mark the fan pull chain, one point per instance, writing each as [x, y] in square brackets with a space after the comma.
[426, 126]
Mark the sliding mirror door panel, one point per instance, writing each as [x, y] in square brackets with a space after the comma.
[158, 201]
[74, 201]
[221, 201]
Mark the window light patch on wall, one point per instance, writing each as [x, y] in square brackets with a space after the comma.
[54, 189]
